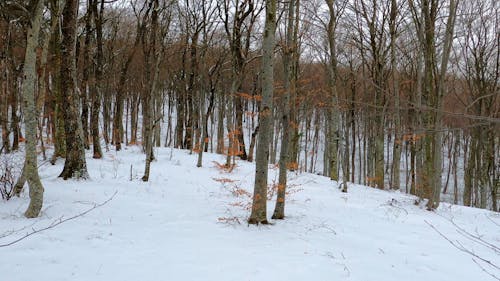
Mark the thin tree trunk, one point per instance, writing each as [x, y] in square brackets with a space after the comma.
[239, 128]
[450, 160]
[59, 137]
[252, 144]
[151, 53]
[456, 155]
[4, 97]
[334, 136]
[158, 116]
[206, 117]
[134, 114]
[279, 209]
[87, 66]
[396, 152]
[96, 94]
[14, 127]
[220, 124]
[230, 131]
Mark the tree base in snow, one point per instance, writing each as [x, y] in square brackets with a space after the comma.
[278, 217]
[257, 221]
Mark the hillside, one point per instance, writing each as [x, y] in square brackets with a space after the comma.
[189, 223]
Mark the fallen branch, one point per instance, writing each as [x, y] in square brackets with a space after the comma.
[462, 248]
[473, 237]
[59, 221]
[476, 238]
[484, 269]
[10, 232]
[493, 221]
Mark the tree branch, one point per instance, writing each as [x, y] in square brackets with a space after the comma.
[460, 247]
[58, 222]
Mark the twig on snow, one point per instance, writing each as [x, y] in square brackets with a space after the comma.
[493, 221]
[473, 237]
[10, 232]
[58, 222]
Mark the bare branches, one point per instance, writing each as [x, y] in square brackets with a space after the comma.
[15, 8]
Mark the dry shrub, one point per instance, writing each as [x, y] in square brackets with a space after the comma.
[235, 189]
[224, 167]
[229, 220]
[247, 206]
[244, 196]
[290, 189]
[224, 180]
[9, 171]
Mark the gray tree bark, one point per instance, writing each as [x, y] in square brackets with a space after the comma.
[31, 119]
[152, 53]
[97, 13]
[333, 111]
[289, 49]
[259, 203]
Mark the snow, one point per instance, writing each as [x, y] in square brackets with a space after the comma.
[189, 223]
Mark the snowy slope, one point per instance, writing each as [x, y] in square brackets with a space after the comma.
[189, 223]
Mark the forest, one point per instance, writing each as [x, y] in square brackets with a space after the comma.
[393, 94]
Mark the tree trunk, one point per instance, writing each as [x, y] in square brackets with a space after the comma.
[14, 127]
[396, 151]
[86, 86]
[59, 137]
[4, 119]
[333, 110]
[158, 116]
[259, 203]
[279, 209]
[206, 117]
[97, 89]
[181, 107]
[456, 155]
[252, 144]
[151, 54]
[435, 92]
[220, 124]
[134, 114]
[31, 119]
[75, 165]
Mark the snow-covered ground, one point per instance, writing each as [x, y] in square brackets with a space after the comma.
[189, 223]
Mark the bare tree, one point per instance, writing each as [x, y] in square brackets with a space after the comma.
[238, 18]
[480, 65]
[433, 90]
